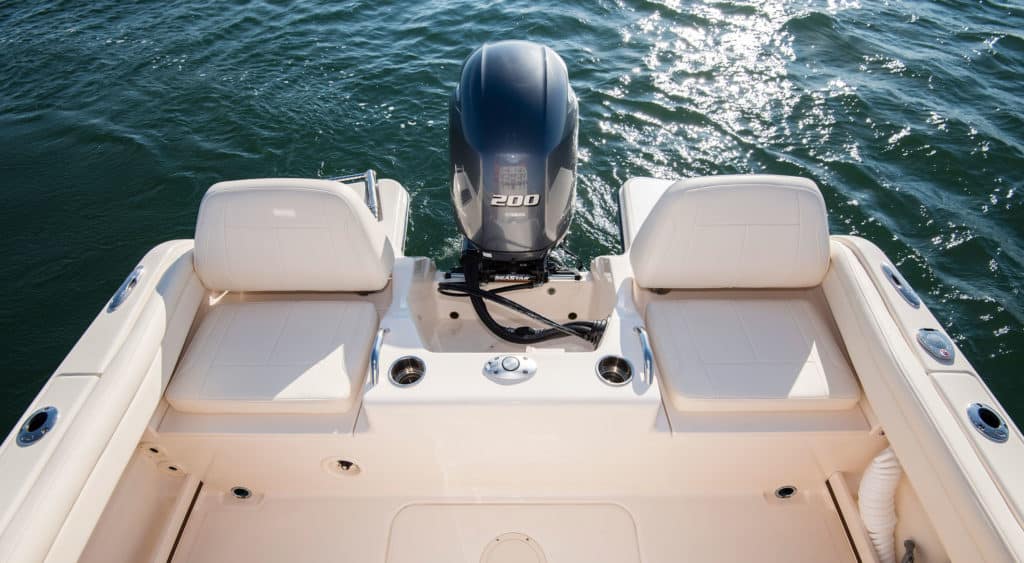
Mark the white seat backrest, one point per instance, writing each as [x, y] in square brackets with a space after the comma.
[289, 235]
[743, 231]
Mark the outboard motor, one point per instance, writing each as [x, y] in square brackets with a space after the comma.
[514, 123]
[513, 127]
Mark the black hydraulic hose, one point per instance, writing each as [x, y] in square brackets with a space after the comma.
[523, 335]
[591, 331]
[581, 329]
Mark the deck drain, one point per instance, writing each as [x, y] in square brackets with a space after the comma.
[513, 547]
[785, 491]
[172, 467]
[241, 493]
[152, 450]
[340, 466]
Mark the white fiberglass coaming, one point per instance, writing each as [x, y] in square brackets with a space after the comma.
[291, 386]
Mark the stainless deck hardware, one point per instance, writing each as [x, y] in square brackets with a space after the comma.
[125, 291]
[372, 190]
[645, 345]
[901, 286]
[986, 420]
[39, 423]
[407, 371]
[509, 370]
[937, 344]
[378, 342]
[614, 370]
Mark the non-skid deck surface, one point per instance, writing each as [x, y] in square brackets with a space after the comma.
[707, 528]
[532, 533]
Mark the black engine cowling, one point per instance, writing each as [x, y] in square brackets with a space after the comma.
[513, 130]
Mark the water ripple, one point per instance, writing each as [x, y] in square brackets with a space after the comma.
[114, 118]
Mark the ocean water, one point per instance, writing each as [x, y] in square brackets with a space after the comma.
[116, 117]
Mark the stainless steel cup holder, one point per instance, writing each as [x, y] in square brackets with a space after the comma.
[407, 371]
[614, 370]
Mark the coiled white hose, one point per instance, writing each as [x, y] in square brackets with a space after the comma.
[877, 503]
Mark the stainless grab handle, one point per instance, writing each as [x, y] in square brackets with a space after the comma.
[375, 356]
[645, 345]
[123, 292]
[373, 195]
[372, 190]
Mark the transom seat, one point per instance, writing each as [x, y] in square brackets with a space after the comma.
[284, 354]
[276, 357]
[747, 329]
[750, 352]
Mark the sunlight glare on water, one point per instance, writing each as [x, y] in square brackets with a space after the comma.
[115, 118]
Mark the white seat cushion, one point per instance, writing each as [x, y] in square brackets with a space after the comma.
[637, 199]
[754, 352]
[276, 357]
[282, 234]
[744, 231]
